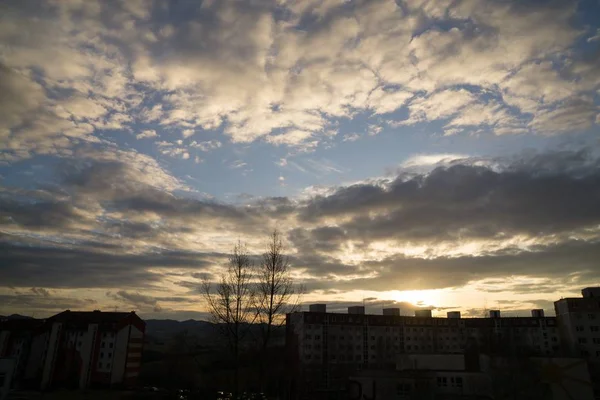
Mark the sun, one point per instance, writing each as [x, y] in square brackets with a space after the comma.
[417, 297]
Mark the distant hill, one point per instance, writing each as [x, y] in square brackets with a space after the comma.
[14, 316]
[167, 328]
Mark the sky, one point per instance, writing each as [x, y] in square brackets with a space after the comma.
[441, 154]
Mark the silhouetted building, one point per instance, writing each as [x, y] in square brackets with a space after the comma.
[448, 376]
[75, 349]
[16, 338]
[579, 323]
[330, 347]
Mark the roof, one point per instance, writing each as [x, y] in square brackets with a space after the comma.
[96, 316]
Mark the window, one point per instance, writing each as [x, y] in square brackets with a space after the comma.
[582, 340]
[442, 381]
[109, 355]
[592, 316]
[459, 381]
[596, 340]
[594, 328]
[403, 389]
[99, 365]
[579, 328]
[108, 366]
[110, 345]
[101, 355]
[102, 345]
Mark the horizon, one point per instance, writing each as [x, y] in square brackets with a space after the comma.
[441, 154]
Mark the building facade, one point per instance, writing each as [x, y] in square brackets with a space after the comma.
[579, 324]
[327, 348]
[75, 349]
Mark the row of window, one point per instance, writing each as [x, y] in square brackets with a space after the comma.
[583, 340]
[581, 328]
[101, 365]
[443, 381]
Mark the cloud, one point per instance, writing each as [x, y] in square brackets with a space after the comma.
[439, 105]
[238, 164]
[352, 137]
[207, 145]
[577, 114]
[462, 201]
[291, 138]
[113, 225]
[37, 304]
[148, 133]
[255, 74]
[594, 38]
[424, 160]
[186, 133]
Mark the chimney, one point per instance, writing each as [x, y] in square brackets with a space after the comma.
[494, 313]
[423, 313]
[317, 308]
[356, 310]
[391, 311]
[453, 314]
[537, 313]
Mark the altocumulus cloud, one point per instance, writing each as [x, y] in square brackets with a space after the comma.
[269, 69]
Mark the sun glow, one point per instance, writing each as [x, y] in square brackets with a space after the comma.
[417, 297]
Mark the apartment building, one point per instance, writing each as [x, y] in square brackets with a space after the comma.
[327, 347]
[76, 349]
[579, 324]
[16, 337]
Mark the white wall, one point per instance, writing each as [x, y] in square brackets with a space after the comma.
[87, 352]
[120, 355]
[7, 368]
[4, 335]
[39, 346]
[53, 342]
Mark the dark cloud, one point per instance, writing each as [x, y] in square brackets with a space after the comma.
[404, 273]
[40, 300]
[468, 201]
[549, 198]
[64, 267]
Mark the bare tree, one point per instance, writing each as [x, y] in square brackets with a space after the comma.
[232, 303]
[276, 294]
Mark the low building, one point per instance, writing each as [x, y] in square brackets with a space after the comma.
[444, 376]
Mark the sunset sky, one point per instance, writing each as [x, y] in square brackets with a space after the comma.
[441, 153]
